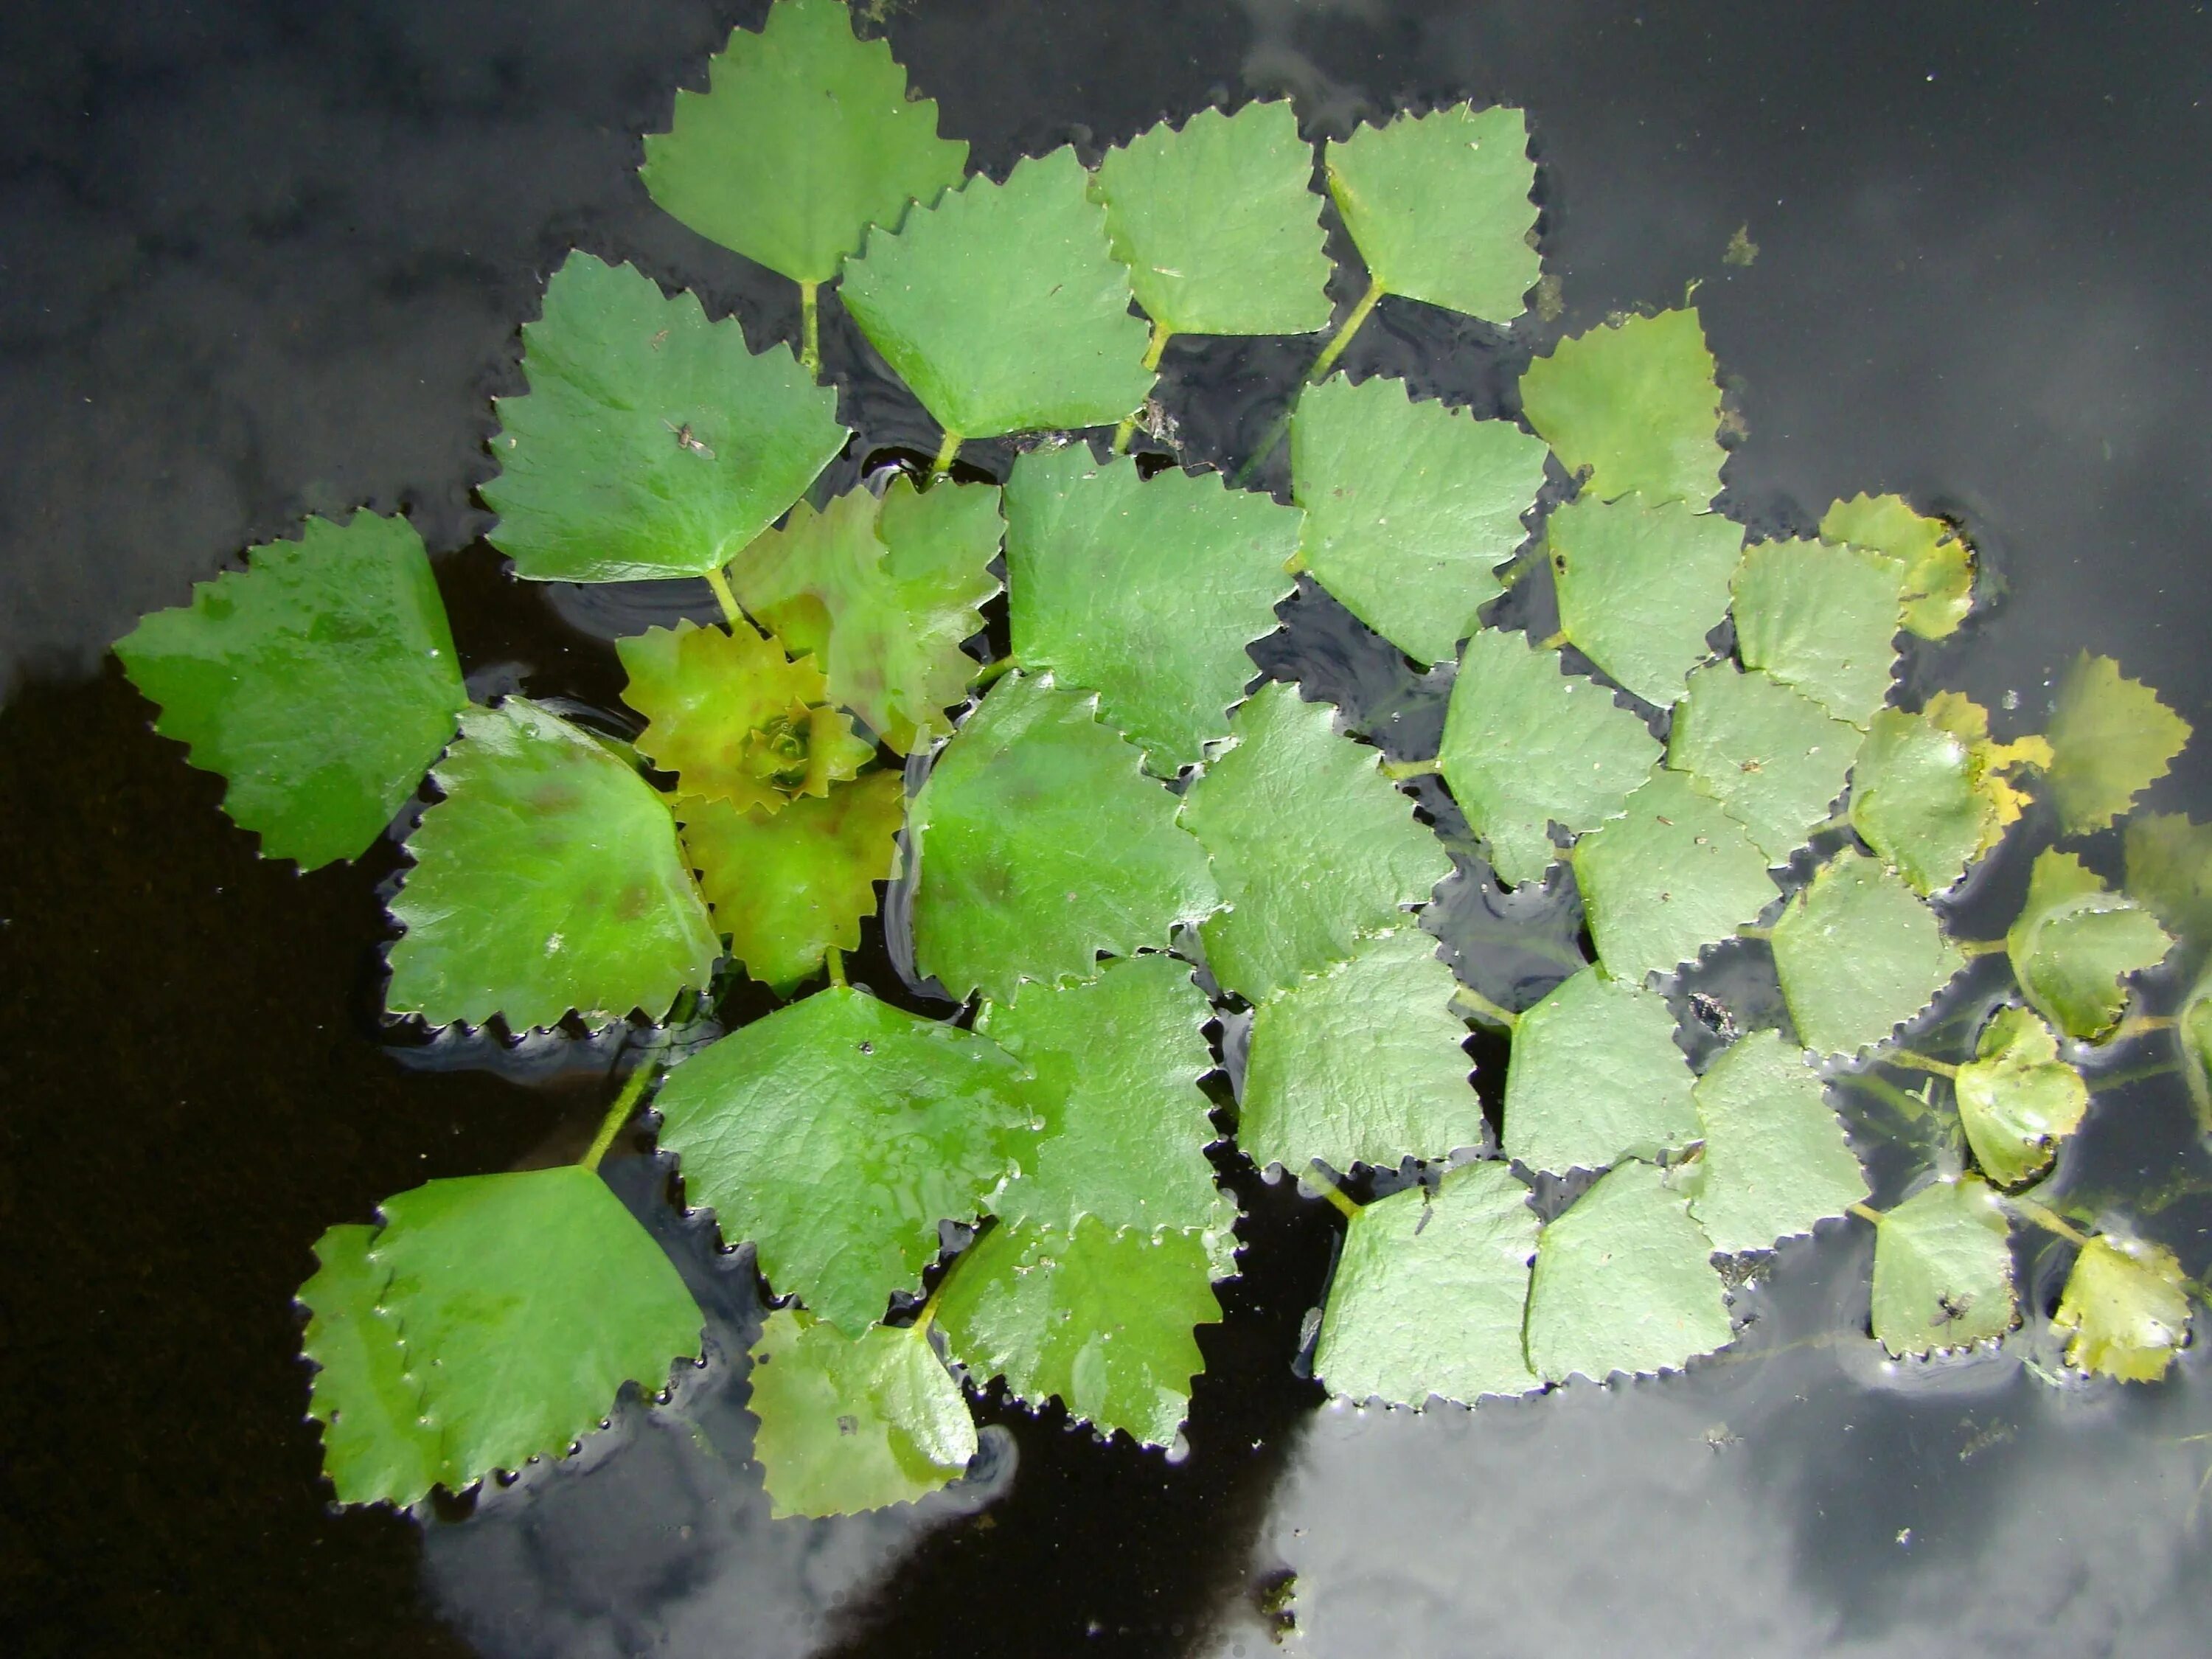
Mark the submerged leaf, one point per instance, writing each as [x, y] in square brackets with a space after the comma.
[1438, 206]
[1774, 759]
[804, 138]
[1822, 619]
[2126, 1308]
[318, 682]
[1041, 844]
[1101, 1319]
[2074, 943]
[1932, 793]
[1429, 1292]
[1625, 1282]
[650, 442]
[1145, 591]
[853, 1423]
[1636, 404]
[1002, 307]
[1640, 586]
[1596, 1077]
[549, 879]
[735, 719]
[1526, 746]
[788, 888]
[1775, 1160]
[376, 1446]
[524, 1302]
[2111, 739]
[1938, 563]
[881, 594]
[1361, 1064]
[836, 1134]
[1858, 954]
[1313, 848]
[2169, 869]
[1218, 224]
[2017, 1099]
[1409, 506]
[1671, 875]
[1942, 1270]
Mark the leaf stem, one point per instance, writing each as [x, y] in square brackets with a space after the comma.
[1317, 1176]
[2049, 1220]
[946, 451]
[2136, 1025]
[1342, 338]
[1749, 932]
[1979, 947]
[619, 1114]
[1123, 433]
[833, 959]
[810, 324]
[990, 672]
[1404, 769]
[720, 583]
[1473, 1002]
[1914, 1059]
[1555, 642]
[1865, 1212]
[1161, 335]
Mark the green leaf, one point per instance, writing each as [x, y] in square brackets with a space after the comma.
[1117, 1063]
[804, 138]
[881, 594]
[650, 442]
[1408, 507]
[524, 1302]
[1932, 793]
[2169, 869]
[1526, 745]
[1773, 759]
[1625, 1282]
[2017, 1099]
[1144, 592]
[1102, 1320]
[853, 1423]
[1438, 205]
[788, 888]
[1218, 224]
[1937, 561]
[1635, 403]
[2110, 738]
[318, 682]
[376, 1447]
[1041, 844]
[1775, 1160]
[1361, 1064]
[1313, 848]
[2127, 1309]
[549, 879]
[1822, 619]
[1596, 1077]
[1002, 307]
[1671, 875]
[1641, 587]
[2074, 943]
[1858, 954]
[735, 719]
[1429, 1292]
[1942, 1270]
[835, 1133]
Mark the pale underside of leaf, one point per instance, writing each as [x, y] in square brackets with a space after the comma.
[1938, 561]
[1641, 586]
[1942, 1270]
[1671, 875]
[1858, 954]
[1775, 1160]
[1775, 759]
[2075, 944]
[1635, 403]
[2110, 738]
[1596, 1077]
[2017, 1099]
[1823, 619]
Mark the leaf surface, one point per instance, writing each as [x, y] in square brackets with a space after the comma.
[1438, 205]
[1218, 224]
[1932, 793]
[1624, 1282]
[1429, 1293]
[319, 682]
[549, 879]
[804, 138]
[1636, 404]
[1775, 759]
[1409, 505]
[1942, 1270]
[2111, 739]
[1312, 845]
[376, 1447]
[2075, 941]
[1596, 1077]
[1775, 1160]
[835, 1133]
[2169, 871]
[650, 442]
[2125, 1308]
[1101, 1319]
[1858, 954]
[1145, 591]
[1640, 586]
[2017, 1099]
[1937, 561]
[1823, 619]
[1527, 745]
[1002, 307]
[1043, 843]
[1362, 1064]
[524, 1302]
[1671, 875]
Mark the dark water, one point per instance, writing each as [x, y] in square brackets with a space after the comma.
[257, 260]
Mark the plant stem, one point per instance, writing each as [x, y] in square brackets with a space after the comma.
[946, 454]
[1403, 769]
[833, 959]
[1161, 335]
[619, 1114]
[1979, 947]
[1749, 932]
[1918, 1061]
[1552, 643]
[990, 673]
[721, 583]
[1317, 1176]
[2135, 1024]
[1484, 1009]
[1342, 338]
[810, 324]
[1865, 1212]
[2049, 1220]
